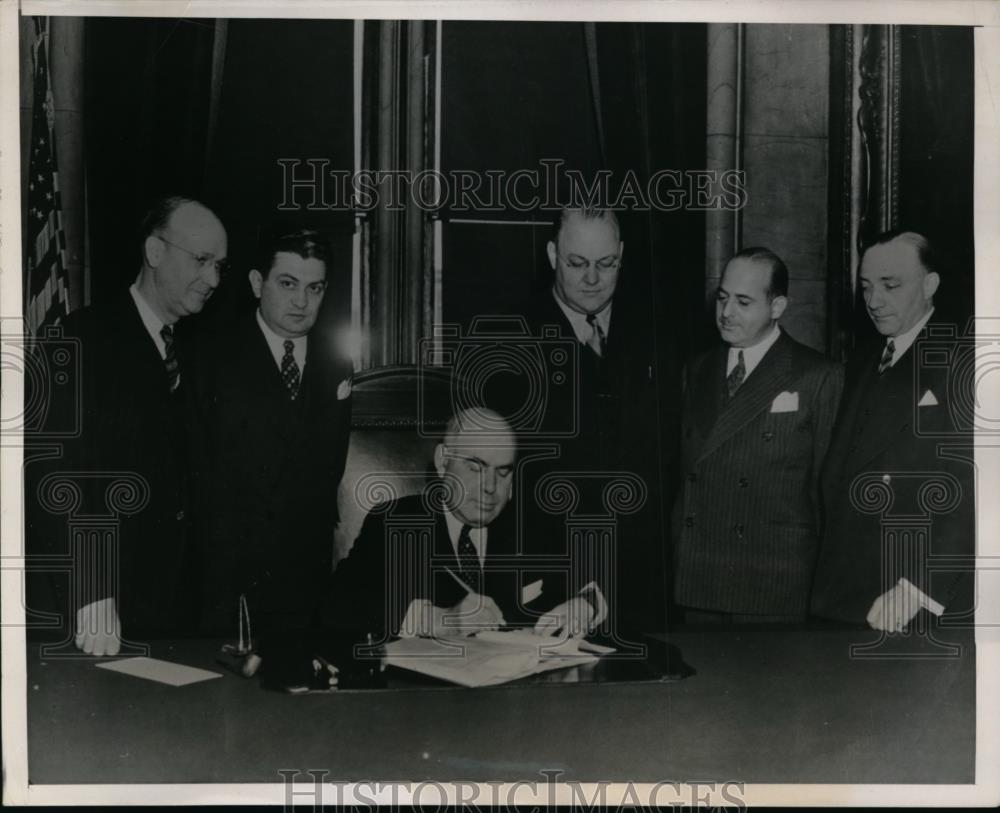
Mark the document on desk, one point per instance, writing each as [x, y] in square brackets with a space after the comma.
[173, 674]
[487, 659]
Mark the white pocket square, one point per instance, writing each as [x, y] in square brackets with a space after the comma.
[531, 591]
[928, 399]
[786, 402]
[343, 389]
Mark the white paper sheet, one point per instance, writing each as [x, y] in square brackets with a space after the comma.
[173, 674]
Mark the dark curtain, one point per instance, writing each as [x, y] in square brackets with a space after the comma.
[652, 81]
[146, 85]
[937, 97]
[287, 93]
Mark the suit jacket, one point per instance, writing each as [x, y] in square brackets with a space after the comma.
[268, 473]
[401, 555]
[898, 458]
[614, 401]
[133, 425]
[626, 415]
[747, 520]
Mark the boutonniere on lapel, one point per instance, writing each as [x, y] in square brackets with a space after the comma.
[928, 399]
[786, 402]
[344, 389]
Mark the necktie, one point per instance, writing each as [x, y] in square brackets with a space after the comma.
[468, 560]
[290, 370]
[735, 378]
[597, 340]
[886, 362]
[170, 357]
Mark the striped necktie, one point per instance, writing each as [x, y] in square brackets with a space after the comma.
[170, 357]
[735, 379]
[886, 362]
[597, 341]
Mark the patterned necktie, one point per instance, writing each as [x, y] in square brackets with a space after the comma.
[170, 357]
[290, 370]
[735, 378]
[887, 354]
[597, 341]
[468, 560]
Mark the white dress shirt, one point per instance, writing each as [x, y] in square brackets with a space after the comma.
[578, 321]
[477, 535]
[752, 355]
[277, 345]
[903, 341]
[150, 320]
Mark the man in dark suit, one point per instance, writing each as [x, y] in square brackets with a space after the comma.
[758, 412]
[614, 405]
[274, 409]
[446, 562]
[897, 453]
[136, 378]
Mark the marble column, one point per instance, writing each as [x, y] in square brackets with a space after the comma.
[722, 142]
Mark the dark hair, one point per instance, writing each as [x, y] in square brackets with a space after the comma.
[306, 243]
[930, 258]
[587, 213]
[778, 284]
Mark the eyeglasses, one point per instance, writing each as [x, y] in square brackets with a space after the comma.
[578, 263]
[203, 260]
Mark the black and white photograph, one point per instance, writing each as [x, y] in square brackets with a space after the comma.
[480, 403]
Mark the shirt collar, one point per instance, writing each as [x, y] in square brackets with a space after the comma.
[578, 321]
[477, 535]
[277, 344]
[752, 355]
[903, 341]
[150, 320]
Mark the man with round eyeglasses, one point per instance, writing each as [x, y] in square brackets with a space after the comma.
[135, 376]
[605, 419]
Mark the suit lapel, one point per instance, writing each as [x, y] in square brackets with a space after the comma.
[768, 378]
[891, 402]
[137, 342]
[264, 379]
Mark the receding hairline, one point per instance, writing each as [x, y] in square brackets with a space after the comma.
[911, 239]
[587, 215]
[193, 208]
[771, 264]
[477, 422]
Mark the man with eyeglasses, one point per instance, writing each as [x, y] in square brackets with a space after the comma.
[446, 562]
[135, 384]
[610, 403]
[273, 399]
[758, 413]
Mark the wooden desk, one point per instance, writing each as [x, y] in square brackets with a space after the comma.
[765, 706]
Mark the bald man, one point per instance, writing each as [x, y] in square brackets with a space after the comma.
[445, 562]
[889, 461]
[135, 382]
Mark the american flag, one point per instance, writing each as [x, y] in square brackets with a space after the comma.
[45, 278]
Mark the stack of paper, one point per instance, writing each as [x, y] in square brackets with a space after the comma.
[486, 659]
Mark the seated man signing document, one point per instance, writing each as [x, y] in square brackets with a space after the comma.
[447, 562]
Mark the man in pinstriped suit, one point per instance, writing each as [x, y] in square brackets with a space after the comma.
[758, 414]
